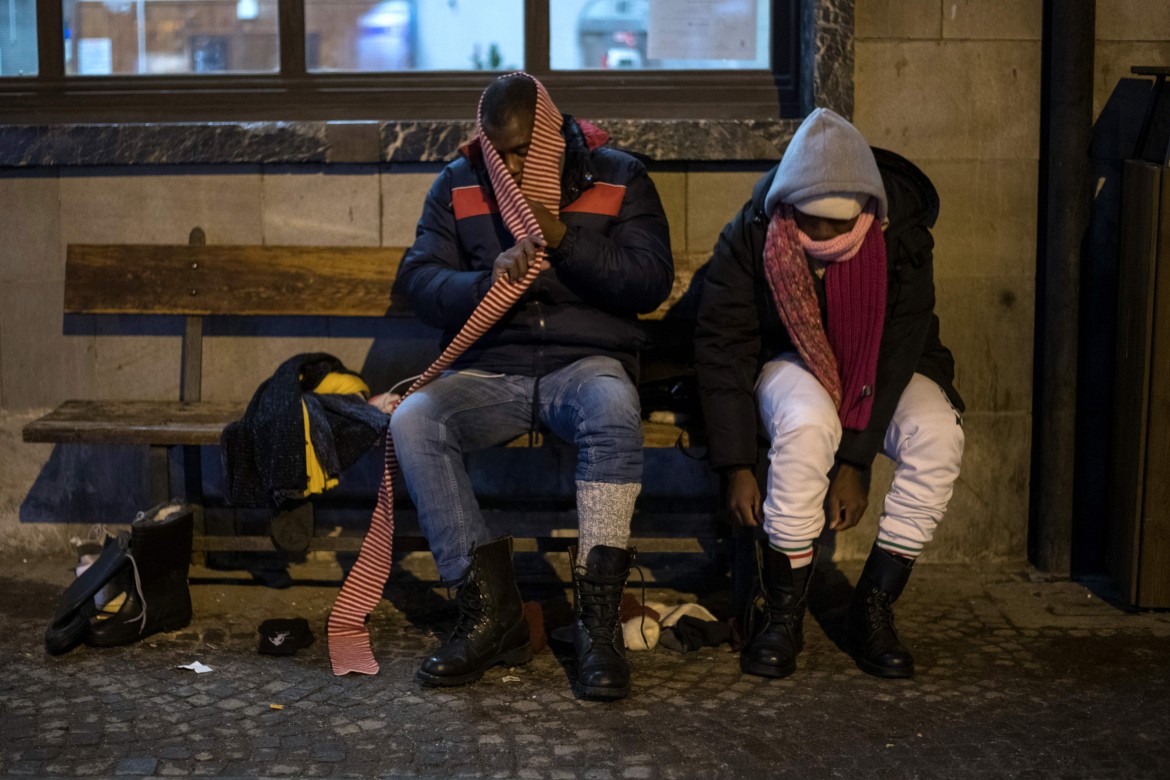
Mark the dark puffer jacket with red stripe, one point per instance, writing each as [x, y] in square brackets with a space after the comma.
[613, 263]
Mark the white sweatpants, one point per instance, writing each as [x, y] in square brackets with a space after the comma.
[924, 439]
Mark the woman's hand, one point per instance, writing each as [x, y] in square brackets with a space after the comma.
[743, 498]
[848, 498]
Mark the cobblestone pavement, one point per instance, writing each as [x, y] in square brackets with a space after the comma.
[1018, 676]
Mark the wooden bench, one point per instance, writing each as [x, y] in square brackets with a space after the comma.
[200, 281]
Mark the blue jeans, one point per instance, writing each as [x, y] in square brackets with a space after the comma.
[591, 403]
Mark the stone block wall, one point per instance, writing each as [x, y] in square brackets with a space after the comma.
[955, 87]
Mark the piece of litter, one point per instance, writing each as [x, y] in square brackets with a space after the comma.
[276, 706]
[196, 667]
[511, 678]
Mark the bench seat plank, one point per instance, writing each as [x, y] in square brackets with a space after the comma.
[135, 422]
[178, 422]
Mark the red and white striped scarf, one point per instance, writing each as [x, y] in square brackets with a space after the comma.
[349, 641]
[844, 361]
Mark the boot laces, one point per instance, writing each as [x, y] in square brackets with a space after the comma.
[140, 618]
[781, 615]
[881, 612]
[599, 598]
[642, 617]
[787, 616]
[470, 602]
[781, 619]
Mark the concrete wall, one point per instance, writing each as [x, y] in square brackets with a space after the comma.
[954, 86]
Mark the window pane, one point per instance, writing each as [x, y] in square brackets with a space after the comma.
[141, 37]
[367, 35]
[18, 38]
[659, 34]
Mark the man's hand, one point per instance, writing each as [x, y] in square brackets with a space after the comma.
[743, 498]
[554, 230]
[514, 262]
[385, 402]
[847, 498]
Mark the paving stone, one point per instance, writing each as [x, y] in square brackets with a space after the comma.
[136, 766]
[33, 768]
[1018, 675]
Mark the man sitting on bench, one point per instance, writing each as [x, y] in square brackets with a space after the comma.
[564, 357]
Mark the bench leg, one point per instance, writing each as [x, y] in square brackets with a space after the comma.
[160, 474]
[193, 490]
[161, 489]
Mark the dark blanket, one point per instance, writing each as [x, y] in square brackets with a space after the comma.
[264, 451]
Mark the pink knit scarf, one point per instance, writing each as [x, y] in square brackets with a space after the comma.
[349, 641]
[845, 360]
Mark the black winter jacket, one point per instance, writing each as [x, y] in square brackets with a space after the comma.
[739, 328]
[264, 451]
[613, 263]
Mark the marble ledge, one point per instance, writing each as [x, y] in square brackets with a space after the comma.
[228, 143]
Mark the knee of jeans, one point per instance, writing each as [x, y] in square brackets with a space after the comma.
[609, 405]
[412, 419]
[609, 431]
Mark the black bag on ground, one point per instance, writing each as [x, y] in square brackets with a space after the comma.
[149, 566]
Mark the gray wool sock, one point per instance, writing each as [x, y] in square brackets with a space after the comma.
[604, 510]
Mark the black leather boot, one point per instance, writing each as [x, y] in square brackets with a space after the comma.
[872, 637]
[772, 652]
[157, 596]
[602, 669]
[76, 606]
[491, 628]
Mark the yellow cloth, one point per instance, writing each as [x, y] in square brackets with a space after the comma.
[337, 384]
[342, 384]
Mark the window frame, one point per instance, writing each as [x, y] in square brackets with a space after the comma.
[294, 94]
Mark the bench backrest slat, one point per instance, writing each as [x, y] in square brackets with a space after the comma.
[229, 280]
[254, 280]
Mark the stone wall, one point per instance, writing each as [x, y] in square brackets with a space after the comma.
[955, 87]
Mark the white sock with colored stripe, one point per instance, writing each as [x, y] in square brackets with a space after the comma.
[899, 545]
[800, 554]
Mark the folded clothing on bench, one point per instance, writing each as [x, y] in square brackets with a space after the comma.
[266, 456]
